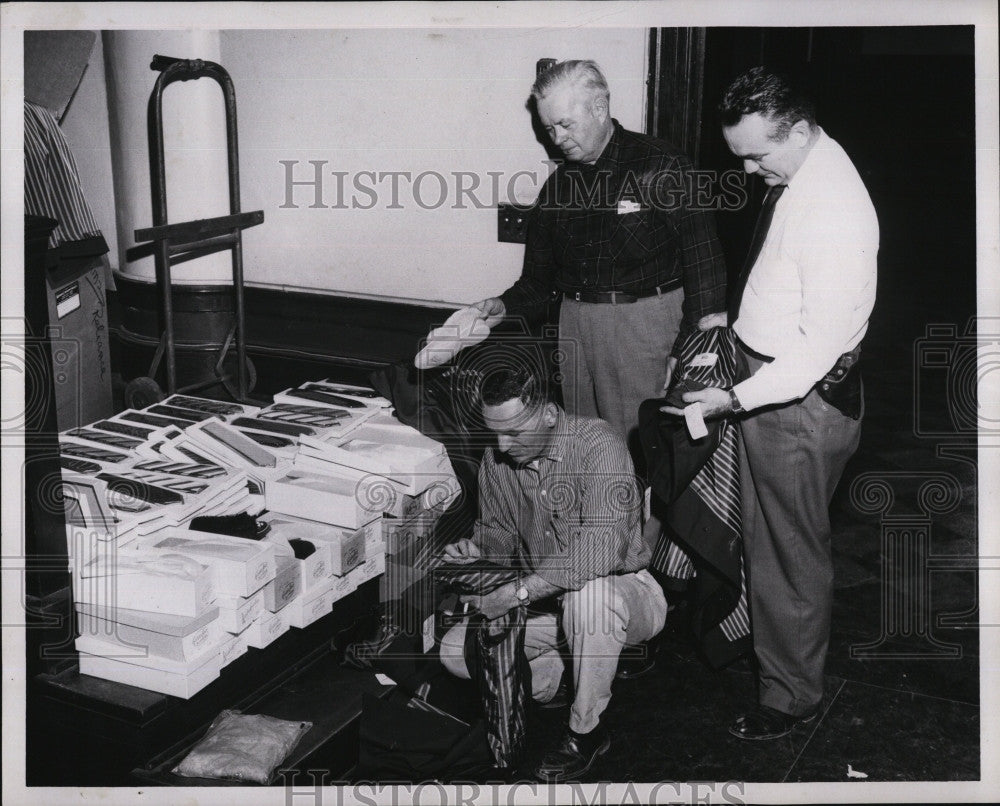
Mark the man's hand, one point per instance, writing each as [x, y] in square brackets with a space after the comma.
[462, 552]
[494, 604]
[714, 402]
[671, 366]
[492, 309]
[713, 320]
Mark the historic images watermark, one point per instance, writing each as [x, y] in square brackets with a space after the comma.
[315, 788]
[313, 184]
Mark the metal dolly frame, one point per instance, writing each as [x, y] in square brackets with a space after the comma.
[177, 243]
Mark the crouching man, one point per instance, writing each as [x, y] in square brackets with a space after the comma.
[558, 495]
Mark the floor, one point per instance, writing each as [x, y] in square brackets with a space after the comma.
[902, 685]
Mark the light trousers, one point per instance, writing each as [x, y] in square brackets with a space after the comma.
[598, 620]
[615, 357]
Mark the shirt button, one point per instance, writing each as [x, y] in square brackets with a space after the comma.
[542, 492]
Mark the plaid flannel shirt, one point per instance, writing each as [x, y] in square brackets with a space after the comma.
[624, 224]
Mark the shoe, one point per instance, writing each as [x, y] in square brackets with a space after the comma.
[575, 755]
[765, 723]
[560, 699]
[635, 662]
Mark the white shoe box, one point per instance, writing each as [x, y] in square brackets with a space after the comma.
[284, 528]
[237, 612]
[402, 535]
[241, 566]
[286, 585]
[177, 638]
[311, 606]
[155, 581]
[342, 586]
[234, 647]
[266, 629]
[370, 569]
[319, 497]
[180, 680]
[380, 494]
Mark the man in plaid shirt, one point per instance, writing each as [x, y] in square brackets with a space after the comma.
[619, 234]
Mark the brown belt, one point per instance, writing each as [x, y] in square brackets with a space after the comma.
[622, 297]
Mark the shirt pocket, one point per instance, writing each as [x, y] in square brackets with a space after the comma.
[633, 237]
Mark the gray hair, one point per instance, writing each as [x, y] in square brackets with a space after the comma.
[583, 73]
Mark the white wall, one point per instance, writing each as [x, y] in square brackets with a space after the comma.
[408, 100]
[381, 100]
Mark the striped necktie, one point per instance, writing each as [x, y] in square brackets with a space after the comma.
[756, 244]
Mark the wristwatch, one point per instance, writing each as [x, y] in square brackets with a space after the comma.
[735, 404]
[522, 595]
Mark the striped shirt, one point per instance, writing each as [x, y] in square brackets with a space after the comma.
[52, 182]
[571, 515]
[631, 222]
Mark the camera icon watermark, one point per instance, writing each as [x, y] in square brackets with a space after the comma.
[950, 373]
[49, 369]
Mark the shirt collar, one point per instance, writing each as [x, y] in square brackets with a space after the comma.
[811, 163]
[610, 156]
[556, 449]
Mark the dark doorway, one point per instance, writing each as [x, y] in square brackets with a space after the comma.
[901, 101]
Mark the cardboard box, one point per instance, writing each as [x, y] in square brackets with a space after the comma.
[176, 684]
[286, 585]
[177, 638]
[237, 612]
[265, 630]
[324, 498]
[310, 607]
[159, 581]
[81, 353]
[241, 566]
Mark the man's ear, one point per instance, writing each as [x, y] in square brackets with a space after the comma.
[800, 133]
[550, 414]
[599, 108]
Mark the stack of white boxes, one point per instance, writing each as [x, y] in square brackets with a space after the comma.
[164, 607]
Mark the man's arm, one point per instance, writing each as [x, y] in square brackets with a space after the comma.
[535, 285]
[609, 509]
[495, 531]
[504, 598]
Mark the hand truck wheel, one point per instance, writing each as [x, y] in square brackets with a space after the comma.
[141, 392]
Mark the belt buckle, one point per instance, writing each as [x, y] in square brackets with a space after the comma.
[576, 296]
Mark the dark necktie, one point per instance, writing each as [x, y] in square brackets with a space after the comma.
[756, 244]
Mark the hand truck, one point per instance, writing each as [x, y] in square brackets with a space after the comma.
[177, 243]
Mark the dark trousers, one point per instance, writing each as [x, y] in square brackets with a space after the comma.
[791, 460]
